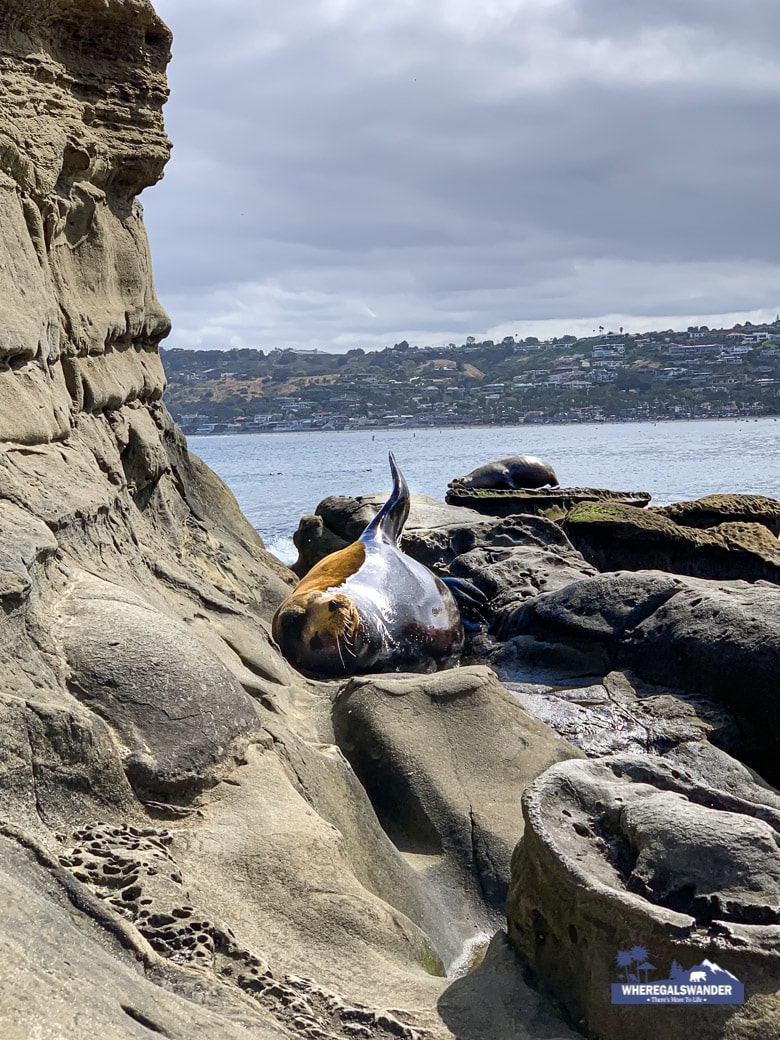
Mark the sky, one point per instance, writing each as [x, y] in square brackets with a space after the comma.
[351, 173]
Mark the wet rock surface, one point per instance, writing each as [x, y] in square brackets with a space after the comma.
[662, 664]
[713, 640]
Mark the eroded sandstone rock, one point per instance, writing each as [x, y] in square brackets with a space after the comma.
[613, 536]
[135, 650]
[180, 712]
[629, 852]
[713, 510]
[444, 759]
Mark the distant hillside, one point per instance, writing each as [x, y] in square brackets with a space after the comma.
[693, 374]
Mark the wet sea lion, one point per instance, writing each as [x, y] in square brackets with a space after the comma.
[515, 473]
[371, 608]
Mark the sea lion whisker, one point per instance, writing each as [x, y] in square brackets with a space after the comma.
[341, 655]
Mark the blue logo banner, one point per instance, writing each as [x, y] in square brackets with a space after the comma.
[704, 983]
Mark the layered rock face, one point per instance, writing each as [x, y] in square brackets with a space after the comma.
[81, 135]
[185, 848]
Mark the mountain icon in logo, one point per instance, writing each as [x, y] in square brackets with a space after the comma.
[709, 971]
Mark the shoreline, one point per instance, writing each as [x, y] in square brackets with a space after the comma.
[492, 426]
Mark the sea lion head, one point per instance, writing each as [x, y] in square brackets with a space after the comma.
[320, 633]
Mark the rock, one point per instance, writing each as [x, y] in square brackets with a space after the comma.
[614, 536]
[621, 714]
[713, 510]
[623, 853]
[510, 576]
[340, 520]
[314, 541]
[724, 641]
[59, 767]
[69, 968]
[720, 641]
[180, 712]
[603, 608]
[286, 893]
[553, 503]
[507, 559]
[348, 517]
[455, 806]
[437, 546]
[139, 680]
[495, 1002]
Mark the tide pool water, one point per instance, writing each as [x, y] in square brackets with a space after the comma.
[278, 478]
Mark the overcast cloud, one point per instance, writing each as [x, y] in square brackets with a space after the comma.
[350, 173]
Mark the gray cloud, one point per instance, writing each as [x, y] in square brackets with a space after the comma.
[345, 173]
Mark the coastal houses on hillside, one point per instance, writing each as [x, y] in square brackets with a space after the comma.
[613, 376]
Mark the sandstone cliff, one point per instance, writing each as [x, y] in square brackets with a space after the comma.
[184, 848]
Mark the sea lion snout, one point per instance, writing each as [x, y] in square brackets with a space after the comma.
[317, 628]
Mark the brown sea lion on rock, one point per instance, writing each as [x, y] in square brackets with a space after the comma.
[514, 473]
[371, 608]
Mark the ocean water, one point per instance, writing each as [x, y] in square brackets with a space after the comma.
[278, 478]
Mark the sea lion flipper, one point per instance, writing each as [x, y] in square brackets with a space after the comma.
[392, 516]
[471, 602]
[465, 591]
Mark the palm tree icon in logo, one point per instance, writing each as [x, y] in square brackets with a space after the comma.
[637, 955]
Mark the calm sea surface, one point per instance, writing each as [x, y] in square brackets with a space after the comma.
[277, 478]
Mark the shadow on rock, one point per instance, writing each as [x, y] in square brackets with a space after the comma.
[494, 1002]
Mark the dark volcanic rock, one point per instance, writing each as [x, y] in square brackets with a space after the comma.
[314, 541]
[510, 576]
[614, 536]
[340, 520]
[624, 853]
[723, 641]
[623, 714]
[437, 546]
[719, 640]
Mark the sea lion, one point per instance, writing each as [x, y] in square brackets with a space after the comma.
[515, 473]
[371, 608]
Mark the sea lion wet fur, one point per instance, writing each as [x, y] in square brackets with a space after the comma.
[371, 608]
[514, 473]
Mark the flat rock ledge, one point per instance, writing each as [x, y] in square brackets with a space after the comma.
[637, 855]
[550, 502]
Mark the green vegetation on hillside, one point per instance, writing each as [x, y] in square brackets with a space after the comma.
[660, 375]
